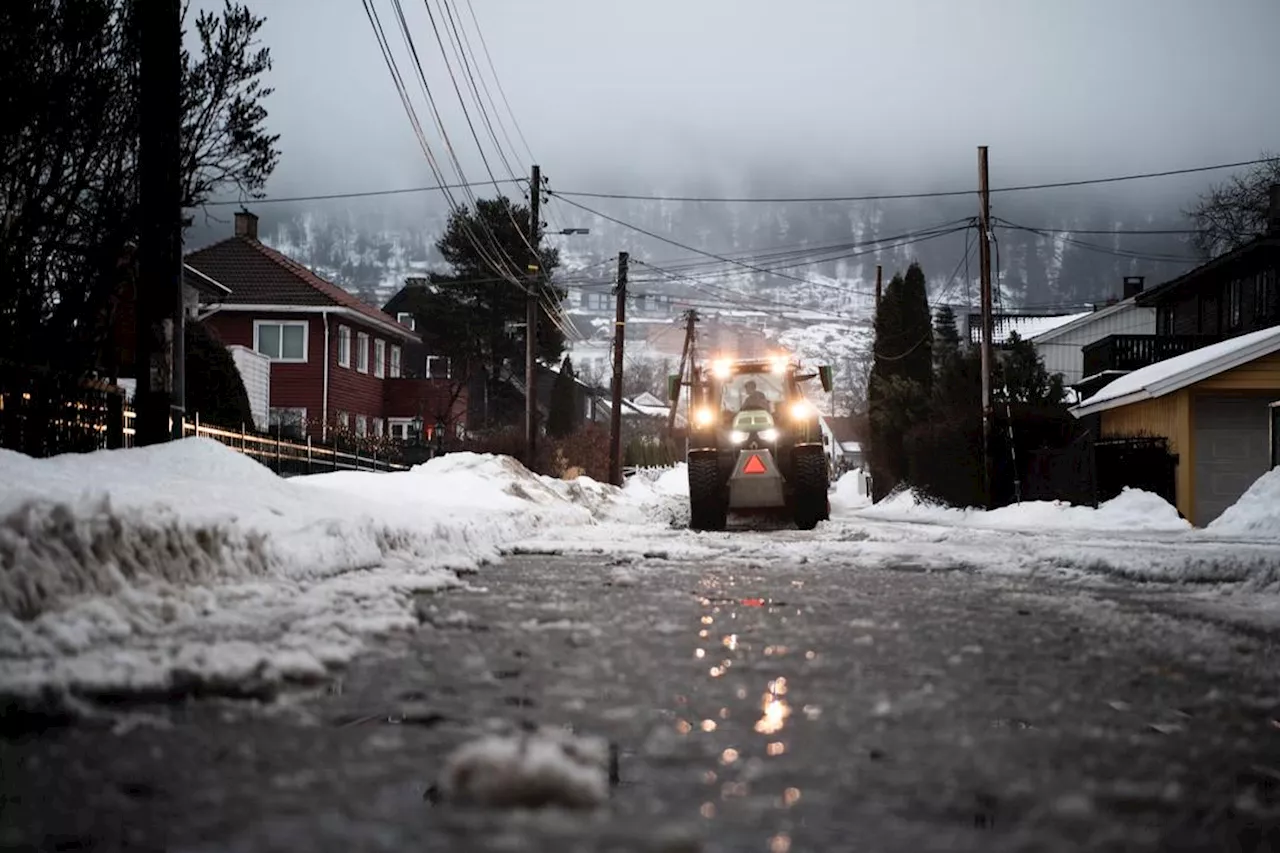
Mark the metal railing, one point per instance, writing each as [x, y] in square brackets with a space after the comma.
[1132, 352]
[290, 458]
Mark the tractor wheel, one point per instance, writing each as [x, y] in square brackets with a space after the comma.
[708, 506]
[809, 490]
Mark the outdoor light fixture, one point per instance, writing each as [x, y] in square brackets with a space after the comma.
[704, 417]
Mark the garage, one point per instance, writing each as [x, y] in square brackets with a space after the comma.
[1232, 449]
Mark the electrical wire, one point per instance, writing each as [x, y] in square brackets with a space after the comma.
[919, 195]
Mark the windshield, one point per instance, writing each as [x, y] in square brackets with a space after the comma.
[747, 391]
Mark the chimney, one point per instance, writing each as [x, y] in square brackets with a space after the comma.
[1273, 213]
[246, 225]
[1133, 285]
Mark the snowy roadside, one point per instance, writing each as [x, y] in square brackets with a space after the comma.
[188, 567]
[1136, 537]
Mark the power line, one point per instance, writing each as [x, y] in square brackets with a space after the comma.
[364, 194]
[1106, 250]
[918, 195]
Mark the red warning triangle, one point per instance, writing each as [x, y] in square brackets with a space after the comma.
[754, 465]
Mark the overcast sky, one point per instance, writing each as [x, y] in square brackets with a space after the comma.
[841, 95]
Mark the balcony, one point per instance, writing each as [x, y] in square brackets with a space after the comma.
[1124, 353]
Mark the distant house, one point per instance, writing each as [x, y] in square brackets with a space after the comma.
[1235, 294]
[1217, 406]
[337, 364]
[840, 438]
[1062, 347]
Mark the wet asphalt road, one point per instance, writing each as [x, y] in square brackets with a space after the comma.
[756, 708]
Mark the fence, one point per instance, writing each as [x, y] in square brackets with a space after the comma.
[44, 413]
[290, 458]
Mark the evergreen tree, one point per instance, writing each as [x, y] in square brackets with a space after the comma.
[214, 389]
[917, 326]
[562, 420]
[946, 337]
[1022, 377]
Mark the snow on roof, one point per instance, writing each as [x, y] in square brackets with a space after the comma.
[1165, 377]
[1026, 327]
[1080, 320]
[851, 446]
[647, 399]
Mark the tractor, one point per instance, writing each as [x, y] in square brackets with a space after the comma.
[755, 446]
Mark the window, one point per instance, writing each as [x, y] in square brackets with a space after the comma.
[362, 352]
[1235, 304]
[1266, 296]
[361, 425]
[404, 318]
[439, 367]
[400, 429]
[344, 346]
[281, 341]
[377, 427]
[288, 422]
[379, 358]
[1165, 323]
[395, 362]
[340, 420]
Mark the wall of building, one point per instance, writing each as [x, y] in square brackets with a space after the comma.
[1063, 353]
[255, 373]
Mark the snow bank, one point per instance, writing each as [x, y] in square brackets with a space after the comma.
[189, 566]
[550, 767]
[850, 492]
[1256, 514]
[1132, 509]
[655, 498]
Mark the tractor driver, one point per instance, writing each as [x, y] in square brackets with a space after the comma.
[755, 400]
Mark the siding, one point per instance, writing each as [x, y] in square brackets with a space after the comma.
[292, 385]
[255, 373]
[1262, 374]
[1063, 353]
[350, 390]
[1168, 416]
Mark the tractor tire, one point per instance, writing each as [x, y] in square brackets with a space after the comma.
[708, 504]
[809, 490]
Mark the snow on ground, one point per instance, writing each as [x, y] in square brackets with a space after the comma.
[188, 566]
[549, 767]
[1257, 513]
[1132, 509]
[849, 493]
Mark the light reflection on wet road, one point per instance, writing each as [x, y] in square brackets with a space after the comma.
[758, 708]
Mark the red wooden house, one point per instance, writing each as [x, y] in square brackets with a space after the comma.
[336, 363]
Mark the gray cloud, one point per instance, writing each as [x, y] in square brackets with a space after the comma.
[829, 94]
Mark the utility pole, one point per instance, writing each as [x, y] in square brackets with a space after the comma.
[879, 278]
[619, 339]
[531, 322]
[159, 289]
[984, 262]
[690, 318]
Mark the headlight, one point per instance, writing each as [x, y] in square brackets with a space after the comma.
[801, 410]
[780, 364]
[704, 417]
[769, 436]
[722, 368]
[737, 436]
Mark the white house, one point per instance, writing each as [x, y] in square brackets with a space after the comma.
[1062, 348]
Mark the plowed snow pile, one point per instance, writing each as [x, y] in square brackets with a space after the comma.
[1132, 509]
[188, 565]
[1256, 514]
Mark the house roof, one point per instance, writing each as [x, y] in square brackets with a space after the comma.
[844, 428]
[1172, 374]
[192, 277]
[1028, 326]
[259, 276]
[1159, 292]
[1085, 319]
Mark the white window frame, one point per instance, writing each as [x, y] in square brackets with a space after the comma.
[448, 366]
[379, 358]
[396, 362]
[344, 346]
[306, 339]
[377, 427]
[362, 426]
[406, 319]
[401, 424]
[362, 352]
